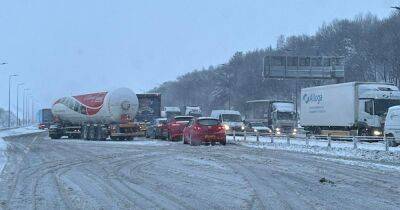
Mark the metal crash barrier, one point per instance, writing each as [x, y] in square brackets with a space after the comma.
[289, 138]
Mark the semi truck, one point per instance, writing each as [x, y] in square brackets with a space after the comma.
[279, 115]
[149, 109]
[44, 118]
[170, 112]
[353, 108]
[96, 116]
[194, 111]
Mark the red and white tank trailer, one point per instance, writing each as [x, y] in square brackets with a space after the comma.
[96, 116]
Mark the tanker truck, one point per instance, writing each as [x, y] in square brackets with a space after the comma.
[96, 116]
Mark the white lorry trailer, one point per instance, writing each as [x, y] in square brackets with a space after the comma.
[355, 106]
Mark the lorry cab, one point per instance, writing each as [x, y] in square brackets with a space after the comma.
[170, 112]
[374, 103]
[392, 125]
[194, 111]
[230, 119]
[283, 117]
[278, 115]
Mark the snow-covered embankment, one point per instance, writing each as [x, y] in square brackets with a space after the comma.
[12, 132]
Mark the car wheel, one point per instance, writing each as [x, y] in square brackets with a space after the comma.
[213, 143]
[194, 143]
[184, 139]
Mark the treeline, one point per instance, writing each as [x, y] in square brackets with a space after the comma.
[371, 48]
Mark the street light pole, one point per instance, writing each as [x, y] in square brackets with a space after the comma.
[18, 85]
[24, 106]
[9, 98]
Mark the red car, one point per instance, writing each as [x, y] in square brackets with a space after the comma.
[175, 126]
[204, 130]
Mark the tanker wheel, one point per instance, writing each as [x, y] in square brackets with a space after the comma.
[83, 132]
[92, 135]
[98, 133]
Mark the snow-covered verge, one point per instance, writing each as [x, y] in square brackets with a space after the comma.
[20, 131]
[368, 151]
[3, 147]
[13, 132]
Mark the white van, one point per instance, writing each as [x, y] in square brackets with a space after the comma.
[232, 120]
[392, 125]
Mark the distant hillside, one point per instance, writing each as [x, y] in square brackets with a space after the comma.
[371, 48]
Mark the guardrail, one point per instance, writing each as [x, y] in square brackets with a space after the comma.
[356, 140]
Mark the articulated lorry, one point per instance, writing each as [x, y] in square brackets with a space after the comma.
[44, 118]
[149, 107]
[278, 115]
[96, 116]
[170, 111]
[194, 111]
[355, 108]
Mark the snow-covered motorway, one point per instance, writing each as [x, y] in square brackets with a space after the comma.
[62, 174]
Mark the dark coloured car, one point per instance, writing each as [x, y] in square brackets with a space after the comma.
[156, 128]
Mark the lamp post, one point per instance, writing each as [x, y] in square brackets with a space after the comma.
[24, 106]
[18, 85]
[9, 98]
[27, 108]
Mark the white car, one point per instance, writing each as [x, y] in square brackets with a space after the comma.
[258, 127]
[392, 125]
[230, 119]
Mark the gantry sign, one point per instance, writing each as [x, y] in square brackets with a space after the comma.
[303, 67]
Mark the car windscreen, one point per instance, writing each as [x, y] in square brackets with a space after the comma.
[182, 119]
[231, 118]
[208, 122]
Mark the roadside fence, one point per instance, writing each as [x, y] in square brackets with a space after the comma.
[323, 140]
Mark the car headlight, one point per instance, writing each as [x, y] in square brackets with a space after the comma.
[377, 133]
[255, 130]
[278, 133]
[294, 130]
[226, 127]
[277, 129]
[242, 127]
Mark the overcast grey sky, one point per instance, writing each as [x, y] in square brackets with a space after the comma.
[63, 47]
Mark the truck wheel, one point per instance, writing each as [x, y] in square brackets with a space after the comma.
[223, 142]
[91, 135]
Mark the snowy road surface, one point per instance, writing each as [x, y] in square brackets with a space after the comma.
[58, 174]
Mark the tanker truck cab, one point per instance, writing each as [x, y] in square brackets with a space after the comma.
[392, 126]
[374, 103]
[230, 119]
[283, 118]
